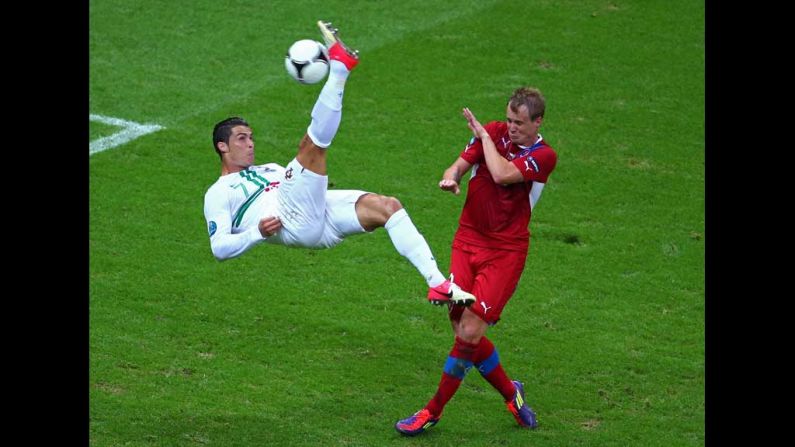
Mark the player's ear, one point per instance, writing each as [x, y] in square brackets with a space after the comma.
[223, 147]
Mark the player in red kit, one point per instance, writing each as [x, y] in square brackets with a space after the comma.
[510, 164]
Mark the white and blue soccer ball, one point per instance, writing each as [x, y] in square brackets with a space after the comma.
[307, 61]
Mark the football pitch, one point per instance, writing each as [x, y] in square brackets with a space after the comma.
[286, 347]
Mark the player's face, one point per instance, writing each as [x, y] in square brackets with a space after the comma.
[521, 129]
[241, 147]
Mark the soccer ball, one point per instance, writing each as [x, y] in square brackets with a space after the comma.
[307, 61]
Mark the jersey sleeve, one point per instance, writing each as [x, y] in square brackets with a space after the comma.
[537, 165]
[473, 152]
[223, 242]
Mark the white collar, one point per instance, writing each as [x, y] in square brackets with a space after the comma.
[540, 138]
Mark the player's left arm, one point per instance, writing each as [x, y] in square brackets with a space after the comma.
[536, 167]
[503, 172]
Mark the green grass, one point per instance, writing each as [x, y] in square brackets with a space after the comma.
[298, 347]
[98, 130]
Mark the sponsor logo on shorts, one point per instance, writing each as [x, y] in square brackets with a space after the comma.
[485, 307]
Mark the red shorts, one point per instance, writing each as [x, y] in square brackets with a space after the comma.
[491, 275]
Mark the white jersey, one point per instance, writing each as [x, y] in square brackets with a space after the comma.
[311, 216]
[236, 203]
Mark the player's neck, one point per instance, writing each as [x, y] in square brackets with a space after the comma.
[533, 139]
[226, 170]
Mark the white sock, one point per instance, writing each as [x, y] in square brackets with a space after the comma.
[334, 87]
[327, 113]
[410, 243]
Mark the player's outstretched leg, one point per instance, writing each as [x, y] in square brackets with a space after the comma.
[327, 112]
[303, 195]
[336, 47]
[375, 211]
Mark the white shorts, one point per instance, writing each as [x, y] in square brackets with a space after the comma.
[301, 206]
[312, 216]
[341, 219]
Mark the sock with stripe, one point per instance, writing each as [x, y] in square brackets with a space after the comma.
[487, 361]
[455, 369]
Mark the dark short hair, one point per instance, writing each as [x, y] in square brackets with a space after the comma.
[529, 97]
[223, 130]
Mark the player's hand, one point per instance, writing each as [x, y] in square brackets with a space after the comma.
[474, 125]
[269, 226]
[449, 185]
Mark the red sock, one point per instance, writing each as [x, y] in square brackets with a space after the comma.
[458, 364]
[488, 363]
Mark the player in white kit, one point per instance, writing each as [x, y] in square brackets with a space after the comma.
[250, 204]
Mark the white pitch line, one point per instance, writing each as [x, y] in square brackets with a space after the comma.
[130, 131]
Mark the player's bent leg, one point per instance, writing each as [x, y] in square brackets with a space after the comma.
[302, 205]
[451, 293]
[341, 218]
[375, 210]
[457, 291]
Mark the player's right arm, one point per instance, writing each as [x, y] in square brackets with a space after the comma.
[452, 176]
[224, 243]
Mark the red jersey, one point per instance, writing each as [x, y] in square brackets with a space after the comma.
[496, 216]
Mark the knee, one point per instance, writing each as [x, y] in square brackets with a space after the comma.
[390, 205]
[374, 210]
[471, 328]
[387, 207]
[467, 334]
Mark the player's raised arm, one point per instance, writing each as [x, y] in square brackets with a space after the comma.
[502, 171]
